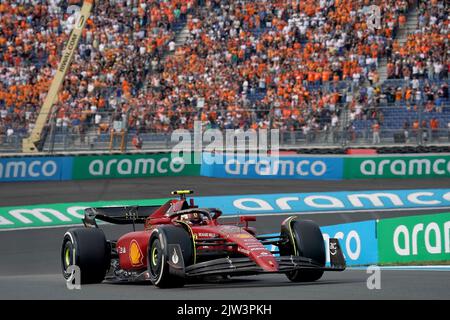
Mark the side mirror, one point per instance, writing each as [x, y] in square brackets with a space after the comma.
[246, 219]
[162, 220]
[217, 214]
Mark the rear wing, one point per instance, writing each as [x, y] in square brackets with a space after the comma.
[118, 215]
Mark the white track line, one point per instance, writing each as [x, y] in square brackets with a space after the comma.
[408, 268]
[334, 211]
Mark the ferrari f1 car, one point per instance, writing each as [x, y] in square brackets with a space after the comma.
[180, 241]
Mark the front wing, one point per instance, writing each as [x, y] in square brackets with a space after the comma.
[244, 266]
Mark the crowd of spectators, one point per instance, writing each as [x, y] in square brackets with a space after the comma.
[292, 54]
[122, 42]
[425, 55]
[286, 64]
[422, 64]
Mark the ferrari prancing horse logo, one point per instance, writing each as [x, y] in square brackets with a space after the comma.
[135, 254]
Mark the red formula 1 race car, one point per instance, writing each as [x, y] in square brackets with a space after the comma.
[181, 241]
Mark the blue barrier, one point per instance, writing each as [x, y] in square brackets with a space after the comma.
[328, 201]
[282, 167]
[35, 169]
[358, 241]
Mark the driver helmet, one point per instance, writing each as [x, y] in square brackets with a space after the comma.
[192, 218]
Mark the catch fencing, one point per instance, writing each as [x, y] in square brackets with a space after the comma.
[399, 125]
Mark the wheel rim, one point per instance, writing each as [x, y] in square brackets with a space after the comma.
[155, 259]
[155, 256]
[67, 257]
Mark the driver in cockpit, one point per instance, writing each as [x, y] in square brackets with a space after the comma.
[193, 218]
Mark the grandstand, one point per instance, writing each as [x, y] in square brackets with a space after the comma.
[313, 69]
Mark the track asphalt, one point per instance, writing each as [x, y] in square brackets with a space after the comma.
[30, 266]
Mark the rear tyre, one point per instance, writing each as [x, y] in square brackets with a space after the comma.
[88, 249]
[306, 241]
[158, 255]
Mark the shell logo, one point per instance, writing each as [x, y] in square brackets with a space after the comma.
[135, 254]
[243, 236]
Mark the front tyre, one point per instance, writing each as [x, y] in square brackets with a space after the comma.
[87, 249]
[158, 267]
[305, 240]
